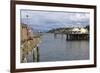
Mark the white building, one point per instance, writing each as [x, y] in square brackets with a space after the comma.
[79, 30]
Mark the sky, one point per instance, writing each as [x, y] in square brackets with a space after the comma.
[47, 20]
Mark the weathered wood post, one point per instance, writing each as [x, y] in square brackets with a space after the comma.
[35, 54]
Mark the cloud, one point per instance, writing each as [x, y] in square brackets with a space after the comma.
[79, 17]
[51, 19]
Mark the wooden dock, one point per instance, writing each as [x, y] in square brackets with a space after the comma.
[29, 46]
[77, 36]
[74, 36]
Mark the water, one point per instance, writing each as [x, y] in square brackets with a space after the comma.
[56, 48]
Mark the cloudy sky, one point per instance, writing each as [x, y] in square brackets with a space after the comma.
[46, 20]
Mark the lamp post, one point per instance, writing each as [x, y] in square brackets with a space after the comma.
[27, 18]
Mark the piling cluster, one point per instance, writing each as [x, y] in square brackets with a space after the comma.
[29, 41]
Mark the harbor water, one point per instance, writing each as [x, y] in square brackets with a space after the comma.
[57, 48]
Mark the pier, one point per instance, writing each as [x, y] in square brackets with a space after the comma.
[29, 43]
[77, 36]
[30, 47]
[74, 36]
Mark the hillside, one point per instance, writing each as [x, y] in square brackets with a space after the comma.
[65, 30]
[59, 30]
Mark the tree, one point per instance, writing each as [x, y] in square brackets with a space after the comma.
[87, 27]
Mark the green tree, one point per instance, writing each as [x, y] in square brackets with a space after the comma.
[87, 27]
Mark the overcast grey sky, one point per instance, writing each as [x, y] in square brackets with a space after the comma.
[46, 20]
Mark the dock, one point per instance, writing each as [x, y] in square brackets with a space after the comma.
[78, 36]
[74, 36]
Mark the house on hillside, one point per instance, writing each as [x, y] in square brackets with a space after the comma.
[79, 30]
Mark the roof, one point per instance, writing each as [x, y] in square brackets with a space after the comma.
[75, 29]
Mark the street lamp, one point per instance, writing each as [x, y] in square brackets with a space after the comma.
[27, 16]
